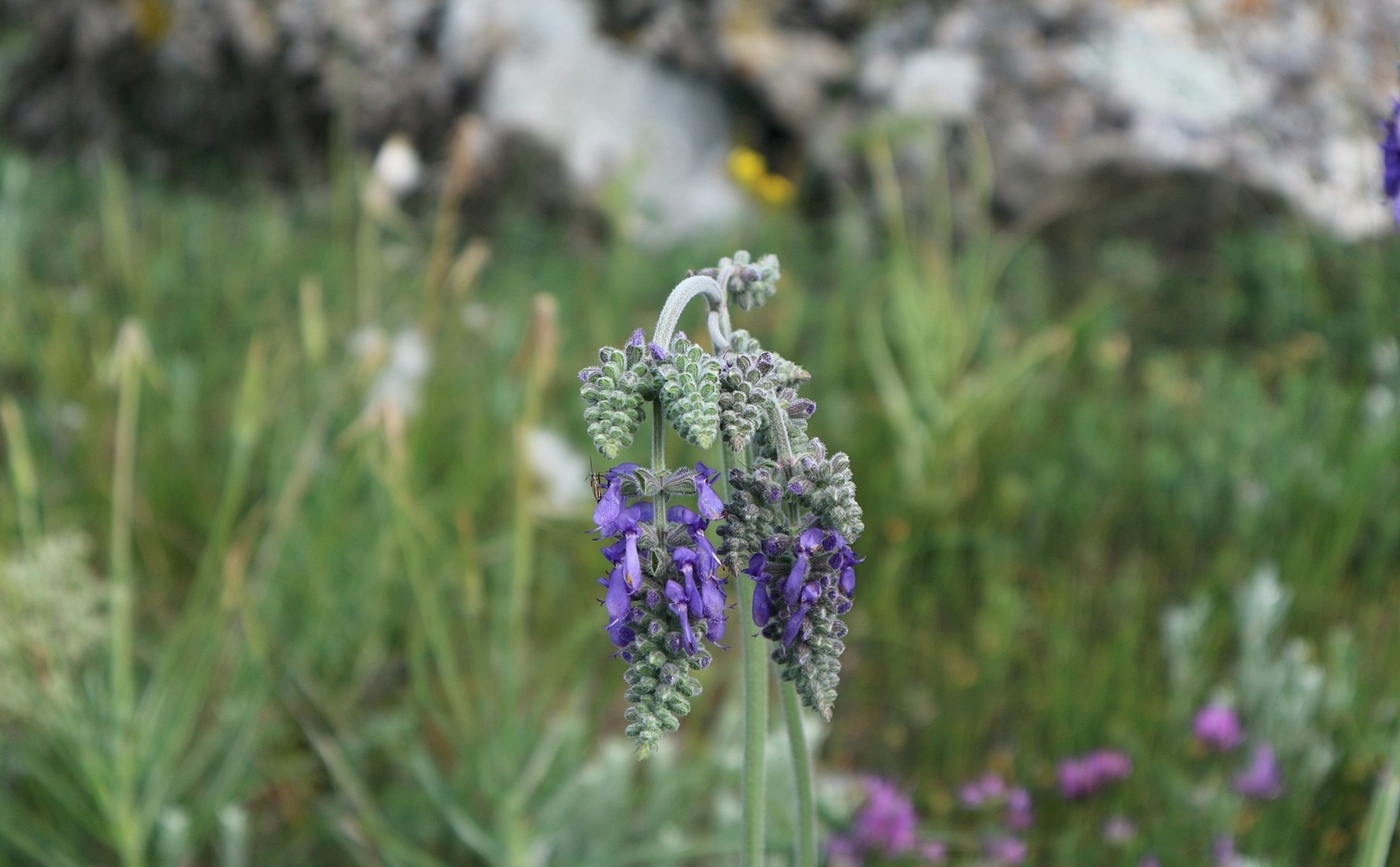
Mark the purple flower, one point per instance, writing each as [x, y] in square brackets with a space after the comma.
[629, 524]
[886, 821]
[1261, 780]
[1149, 860]
[981, 791]
[1085, 775]
[809, 543]
[1218, 727]
[1018, 809]
[1005, 850]
[810, 594]
[762, 608]
[1390, 159]
[709, 503]
[933, 851]
[680, 606]
[1109, 766]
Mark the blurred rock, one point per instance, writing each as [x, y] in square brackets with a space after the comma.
[637, 96]
[615, 118]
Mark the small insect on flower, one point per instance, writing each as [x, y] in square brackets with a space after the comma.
[598, 482]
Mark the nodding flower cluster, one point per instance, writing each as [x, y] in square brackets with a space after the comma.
[686, 569]
[664, 590]
[789, 523]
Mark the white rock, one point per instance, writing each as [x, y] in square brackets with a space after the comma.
[614, 118]
[938, 83]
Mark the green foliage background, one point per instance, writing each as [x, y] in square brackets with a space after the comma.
[356, 642]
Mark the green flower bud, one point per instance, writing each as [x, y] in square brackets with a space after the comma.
[688, 383]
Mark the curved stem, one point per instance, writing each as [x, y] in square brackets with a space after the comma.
[683, 294]
[755, 779]
[802, 774]
[658, 460]
[777, 419]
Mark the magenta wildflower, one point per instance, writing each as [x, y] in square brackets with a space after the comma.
[1261, 780]
[1080, 777]
[709, 503]
[1217, 727]
[982, 791]
[885, 823]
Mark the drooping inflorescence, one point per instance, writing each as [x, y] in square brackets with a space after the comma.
[1390, 160]
[789, 523]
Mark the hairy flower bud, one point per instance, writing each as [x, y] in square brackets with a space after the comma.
[613, 394]
[689, 388]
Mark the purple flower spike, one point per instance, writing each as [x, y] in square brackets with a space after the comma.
[886, 821]
[1390, 160]
[638, 338]
[1217, 727]
[1262, 780]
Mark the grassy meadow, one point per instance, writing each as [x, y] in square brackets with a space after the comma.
[285, 583]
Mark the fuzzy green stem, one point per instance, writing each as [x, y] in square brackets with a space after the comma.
[683, 294]
[540, 353]
[802, 774]
[755, 781]
[127, 360]
[22, 472]
[777, 420]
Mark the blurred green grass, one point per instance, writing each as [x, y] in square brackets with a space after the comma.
[1054, 442]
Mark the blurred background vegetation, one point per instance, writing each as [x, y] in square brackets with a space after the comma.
[268, 598]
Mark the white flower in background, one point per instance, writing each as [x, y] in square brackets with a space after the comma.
[560, 471]
[402, 365]
[1379, 403]
[51, 621]
[396, 172]
[1385, 357]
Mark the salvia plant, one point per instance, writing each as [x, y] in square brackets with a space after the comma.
[786, 523]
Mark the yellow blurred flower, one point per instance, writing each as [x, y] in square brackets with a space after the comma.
[746, 165]
[750, 170]
[773, 190]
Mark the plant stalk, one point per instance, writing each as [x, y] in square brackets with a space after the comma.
[755, 669]
[802, 775]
